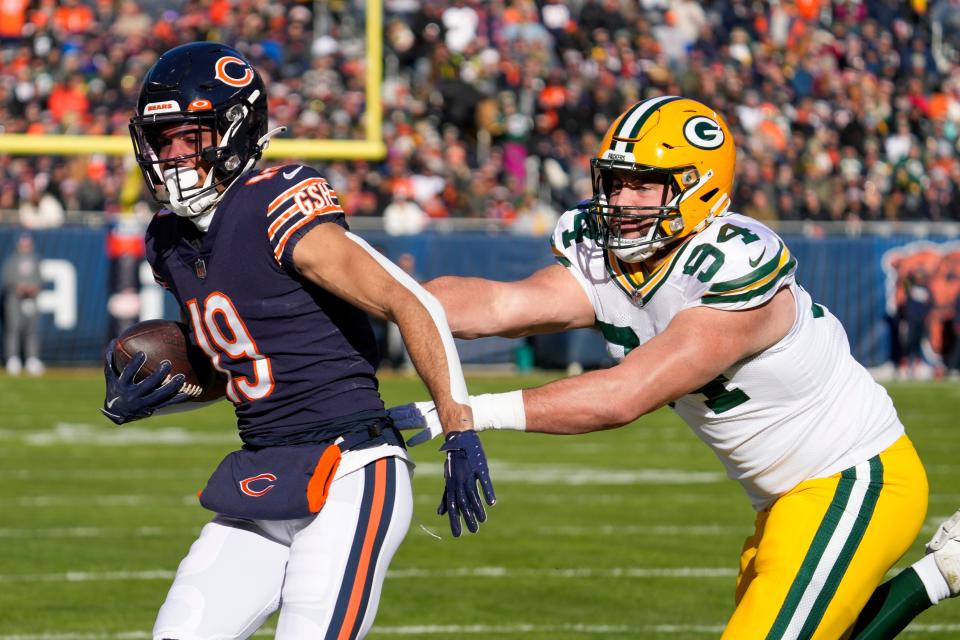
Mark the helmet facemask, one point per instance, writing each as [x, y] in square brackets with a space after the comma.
[636, 232]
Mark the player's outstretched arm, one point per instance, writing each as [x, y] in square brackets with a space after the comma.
[348, 267]
[698, 345]
[549, 300]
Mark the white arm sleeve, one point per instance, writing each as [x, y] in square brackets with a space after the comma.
[458, 386]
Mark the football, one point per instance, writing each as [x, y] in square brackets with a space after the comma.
[168, 340]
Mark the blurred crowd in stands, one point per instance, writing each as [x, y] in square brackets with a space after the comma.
[843, 111]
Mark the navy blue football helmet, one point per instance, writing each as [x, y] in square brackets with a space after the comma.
[214, 88]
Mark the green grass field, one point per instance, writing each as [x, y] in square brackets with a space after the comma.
[633, 533]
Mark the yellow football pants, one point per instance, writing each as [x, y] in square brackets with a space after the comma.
[820, 550]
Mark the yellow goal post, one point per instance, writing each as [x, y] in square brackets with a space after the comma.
[372, 147]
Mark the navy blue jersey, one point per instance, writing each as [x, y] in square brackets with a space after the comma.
[298, 357]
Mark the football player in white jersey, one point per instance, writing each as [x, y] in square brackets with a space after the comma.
[701, 310]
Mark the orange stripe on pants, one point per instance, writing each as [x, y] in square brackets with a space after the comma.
[359, 581]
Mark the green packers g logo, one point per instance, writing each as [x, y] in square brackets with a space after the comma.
[703, 133]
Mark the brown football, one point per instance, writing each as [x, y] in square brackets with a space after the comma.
[167, 340]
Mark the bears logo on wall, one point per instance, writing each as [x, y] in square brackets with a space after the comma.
[938, 266]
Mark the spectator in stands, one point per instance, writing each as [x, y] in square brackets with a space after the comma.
[534, 216]
[403, 216]
[22, 283]
[39, 209]
[68, 103]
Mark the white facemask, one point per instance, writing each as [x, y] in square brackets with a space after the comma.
[639, 253]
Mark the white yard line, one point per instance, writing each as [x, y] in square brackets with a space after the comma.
[89, 576]
[92, 532]
[91, 435]
[108, 473]
[541, 497]
[633, 631]
[412, 573]
[576, 475]
[574, 572]
[98, 501]
[416, 573]
[504, 472]
[66, 635]
[642, 530]
[558, 531]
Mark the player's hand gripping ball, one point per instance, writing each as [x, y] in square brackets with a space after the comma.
[166, 340]
[152, 365]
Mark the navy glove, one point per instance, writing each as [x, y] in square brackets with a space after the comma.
[127, 400]
[466, 465]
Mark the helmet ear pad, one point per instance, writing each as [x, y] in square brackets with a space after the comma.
[241, 126]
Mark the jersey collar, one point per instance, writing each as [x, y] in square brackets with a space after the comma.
[635, 281]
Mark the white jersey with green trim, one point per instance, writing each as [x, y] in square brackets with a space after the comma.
[801, 409]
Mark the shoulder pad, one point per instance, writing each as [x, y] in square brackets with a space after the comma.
[572, 228]
[296, 195]
[736, 263]
[279, 178]
[163, 223]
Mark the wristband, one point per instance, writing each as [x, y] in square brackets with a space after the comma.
[499, 411]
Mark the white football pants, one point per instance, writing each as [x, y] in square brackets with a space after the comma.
[325, 572]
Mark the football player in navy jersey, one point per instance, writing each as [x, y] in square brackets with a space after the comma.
[276, 289]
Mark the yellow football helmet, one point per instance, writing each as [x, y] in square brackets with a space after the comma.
[679, 142]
